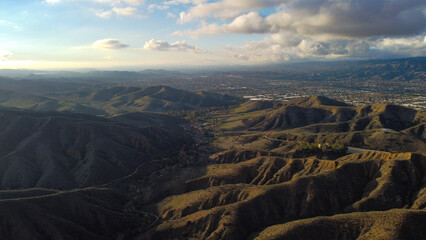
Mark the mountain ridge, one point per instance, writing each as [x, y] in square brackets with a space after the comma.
[66, 150]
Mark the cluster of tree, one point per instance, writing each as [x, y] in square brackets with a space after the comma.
[200, 119]
[199, 116]
[321, 148]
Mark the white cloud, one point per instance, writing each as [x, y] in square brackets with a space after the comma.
[153, 7]
[181, 46]
[248, 23]
[411, 46]
[128, 11]
[417, 42]
[51, 1]
[109, 44]
[177, 2]
[104, 14]
[171, 15]
[284, 46]
[135, 2]
[108, 2]
[225, 9]
[117, 2]
[5, 54]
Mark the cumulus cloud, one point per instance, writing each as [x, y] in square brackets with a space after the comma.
[4, 54]
[52, 1]
[128, 11]
[176, 2]
[270, 50]
[135, 2]
[326, 17]
[248, 23]
[404, 46]
[225, 9]
[171, 15]
[116, 2]
[112, 2]
[153, 7]
[109, 44]
[104, 14]
[298, 29]
[351, 18]
[180, 46]
[284, 46]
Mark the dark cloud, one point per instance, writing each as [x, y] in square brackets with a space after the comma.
[359, 18]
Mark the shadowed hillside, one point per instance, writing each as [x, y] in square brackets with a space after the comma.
[66, 150]
[83, 214]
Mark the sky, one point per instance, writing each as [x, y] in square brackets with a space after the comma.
[120, 34]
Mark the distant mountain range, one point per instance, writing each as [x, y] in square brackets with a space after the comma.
[70, 75]
[386, 68]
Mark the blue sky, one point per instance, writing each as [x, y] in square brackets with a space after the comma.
[66, 34]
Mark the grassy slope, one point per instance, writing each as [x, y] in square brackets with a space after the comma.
[34, 102]
[152, 99]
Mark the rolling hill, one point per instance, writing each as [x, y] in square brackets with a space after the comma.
[151, 99]
[115, 100]
[320, 110]
[368, 195]
[282, 126]
[249, 200]
[28, 101]
[92, 213]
